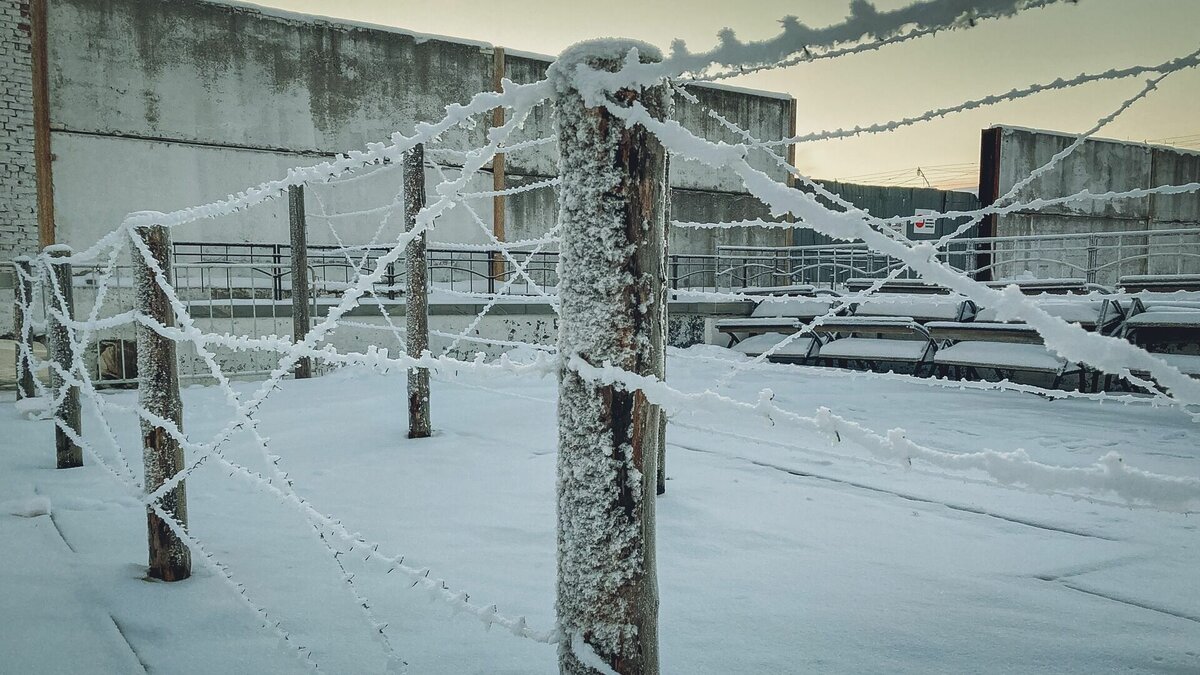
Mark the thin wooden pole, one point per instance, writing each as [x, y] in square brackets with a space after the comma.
[499, 179]
[612, 296]
[42, 157]
[301, 321]
[158, 393]
[62, 299]
[416, 299]
[23, 326]
[659, 342]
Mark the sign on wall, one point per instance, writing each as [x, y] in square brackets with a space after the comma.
[927, 224]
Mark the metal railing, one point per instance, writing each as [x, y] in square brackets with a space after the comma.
[461, 269]
[1097, 258]
[221, 297]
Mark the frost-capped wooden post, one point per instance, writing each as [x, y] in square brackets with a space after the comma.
[660, 346]
[612, 299]
[158, 394]
[301, 321]
[416, 300]
[23, 325]
[62, 304]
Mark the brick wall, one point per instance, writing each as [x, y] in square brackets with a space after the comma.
[18, 192]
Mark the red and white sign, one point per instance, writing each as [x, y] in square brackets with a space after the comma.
[926, 225]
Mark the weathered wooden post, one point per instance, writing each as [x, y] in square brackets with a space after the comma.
[497, 272]
[301, 321]
[660, 346]
[416, 300]
[23, 325]
[158, 393]
[67, 414]
[612, 296]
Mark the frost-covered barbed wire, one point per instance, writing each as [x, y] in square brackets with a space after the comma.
[1068, 340]
[808, 54]
[507, 149]
[519, 267]
[878, 224]
[528, 187]
[187, 332]
[935, 382]
[1173, 65]
[358, 268]
[865, 22]
[512, 95]
[1108, 475]
[494, 342]
[499, 295]
[222, 570]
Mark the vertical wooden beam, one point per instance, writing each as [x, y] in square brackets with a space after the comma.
[158, 393]
[301, 321]
[789, 233]
[416, 298]
[499, 180]
[62, 299]
[659, 344]
[612, 298]
[23, 325]
[41, 122]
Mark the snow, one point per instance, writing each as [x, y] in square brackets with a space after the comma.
[792, 308]
[1161, 278]
[1158, 318]
[807, 555]
[1085, 312]
[757, 344]
[919, 308]
[27, 508]
[1186, 363]
[1001, 355]
[875, 348]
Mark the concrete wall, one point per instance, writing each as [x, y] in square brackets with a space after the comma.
[1098, 166]
[159, 105]
[885, 202]
[18, 186]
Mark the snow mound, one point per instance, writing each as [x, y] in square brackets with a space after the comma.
[32, 407]
[28, 508]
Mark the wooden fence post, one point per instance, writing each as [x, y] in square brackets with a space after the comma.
[612, 296]
[62, 298]
[497, 273]
[301, 321]
[660, 346]
[416, 300]
[158, 393]
[23, 326]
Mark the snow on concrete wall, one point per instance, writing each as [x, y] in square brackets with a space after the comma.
[18, 187]
[158, 105]
[1099, 166]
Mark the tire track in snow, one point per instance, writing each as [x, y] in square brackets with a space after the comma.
[963, 508]
[125, 639]
[1126, 601]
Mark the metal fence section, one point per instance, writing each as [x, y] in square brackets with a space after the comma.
[221, 297]
[456, 269]
[1098, 258]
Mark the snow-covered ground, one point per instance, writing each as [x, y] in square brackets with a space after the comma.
[779, 552]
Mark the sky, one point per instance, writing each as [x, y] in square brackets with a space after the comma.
[898, 81]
